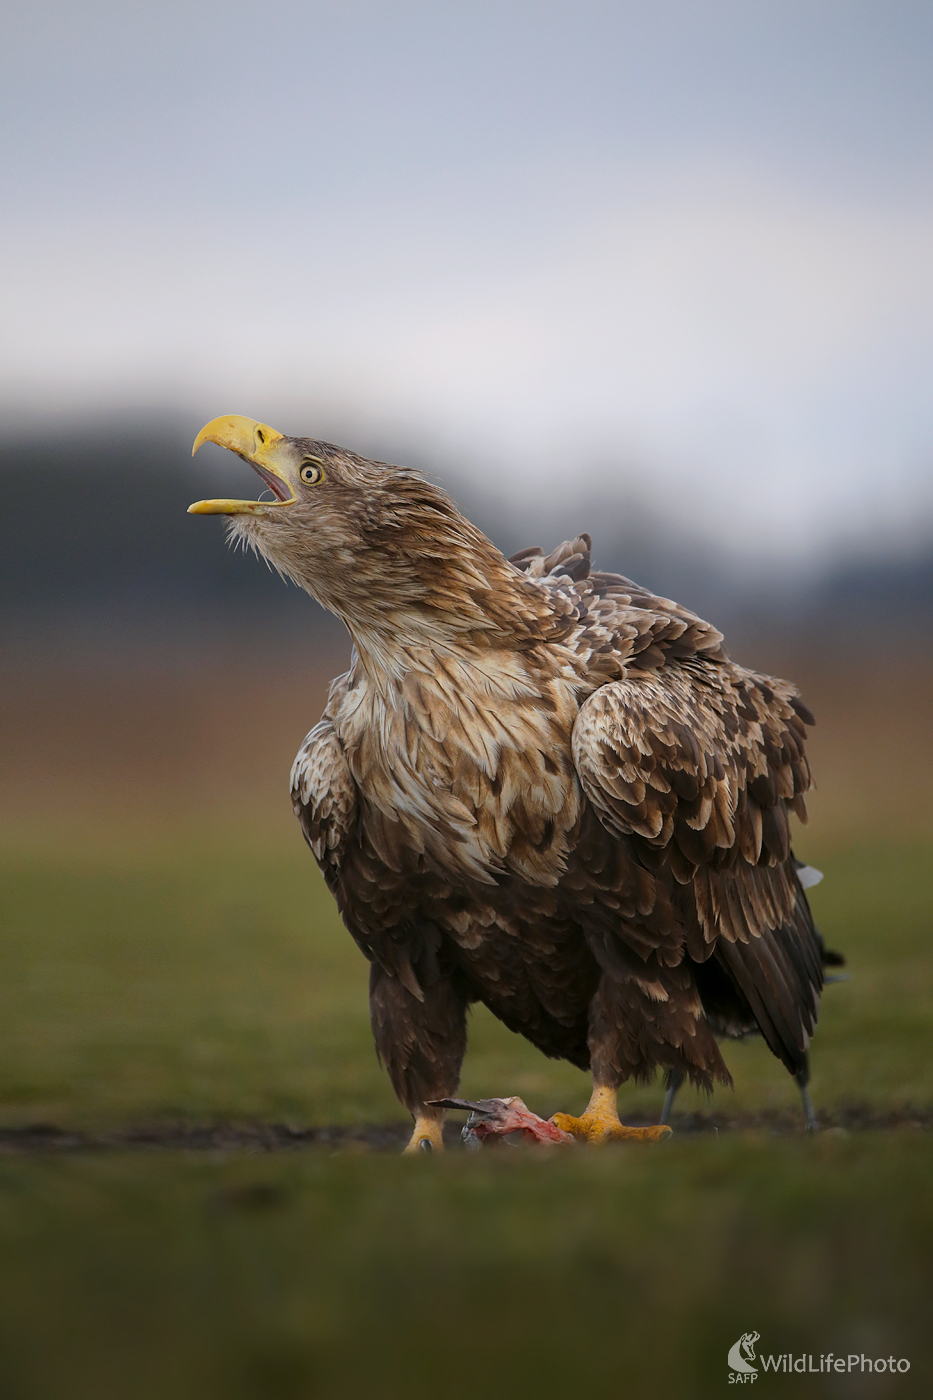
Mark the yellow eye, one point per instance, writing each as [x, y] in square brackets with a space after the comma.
[311, 473]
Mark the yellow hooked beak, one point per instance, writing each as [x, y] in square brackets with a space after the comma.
[257, 444]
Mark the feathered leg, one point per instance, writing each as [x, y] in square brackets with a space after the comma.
[637, 1024]
[421, 1042]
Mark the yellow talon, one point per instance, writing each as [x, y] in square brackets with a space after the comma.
[600, 1121]
[426, 1136]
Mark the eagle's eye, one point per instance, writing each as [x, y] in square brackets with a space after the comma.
[311, 473]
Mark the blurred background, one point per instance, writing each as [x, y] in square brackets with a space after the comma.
[658, 272]
[661, 272]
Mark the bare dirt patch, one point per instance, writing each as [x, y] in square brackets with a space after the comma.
[391, 1137]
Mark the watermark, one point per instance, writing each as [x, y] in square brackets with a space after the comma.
[741, 1356]
[744, 1364]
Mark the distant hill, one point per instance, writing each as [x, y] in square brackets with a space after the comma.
[98, 548]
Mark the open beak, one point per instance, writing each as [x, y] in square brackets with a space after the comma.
[257, 444]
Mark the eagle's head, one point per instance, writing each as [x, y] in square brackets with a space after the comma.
[379, 545]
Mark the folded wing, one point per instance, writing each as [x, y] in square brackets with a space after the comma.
[699, 765]
[324, 798]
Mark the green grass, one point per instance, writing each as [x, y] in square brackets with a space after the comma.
[211, 987]
[623, 1272]
[157, 983]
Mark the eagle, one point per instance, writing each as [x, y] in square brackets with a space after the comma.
[540, 787]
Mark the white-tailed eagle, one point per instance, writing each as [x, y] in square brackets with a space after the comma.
[539, 787]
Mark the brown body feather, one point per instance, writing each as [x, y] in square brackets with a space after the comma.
[543, 788]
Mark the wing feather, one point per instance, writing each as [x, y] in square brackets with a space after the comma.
[324, 798]
[698, 766]
[702, 759]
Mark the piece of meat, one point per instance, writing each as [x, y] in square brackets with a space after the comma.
[495, 1118]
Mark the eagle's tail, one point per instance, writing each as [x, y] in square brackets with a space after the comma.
[771, 984]
[779, 976]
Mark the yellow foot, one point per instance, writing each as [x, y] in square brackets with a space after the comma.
[600, 1122]
[426, 1136]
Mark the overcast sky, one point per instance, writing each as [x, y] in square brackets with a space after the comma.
[688, 246]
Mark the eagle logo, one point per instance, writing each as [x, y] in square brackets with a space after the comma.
[743, 1352]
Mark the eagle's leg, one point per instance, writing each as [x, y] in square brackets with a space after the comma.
[427, 1135]
[636, 1024]
[421, 1041]
[600, 1120]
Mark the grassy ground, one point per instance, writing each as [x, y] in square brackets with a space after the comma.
[176, 986]
[172, 1275]
[170, 956]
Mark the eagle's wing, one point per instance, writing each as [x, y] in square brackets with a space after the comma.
[324, 798]
[326, 802]
[702, 762]
[698, 766]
